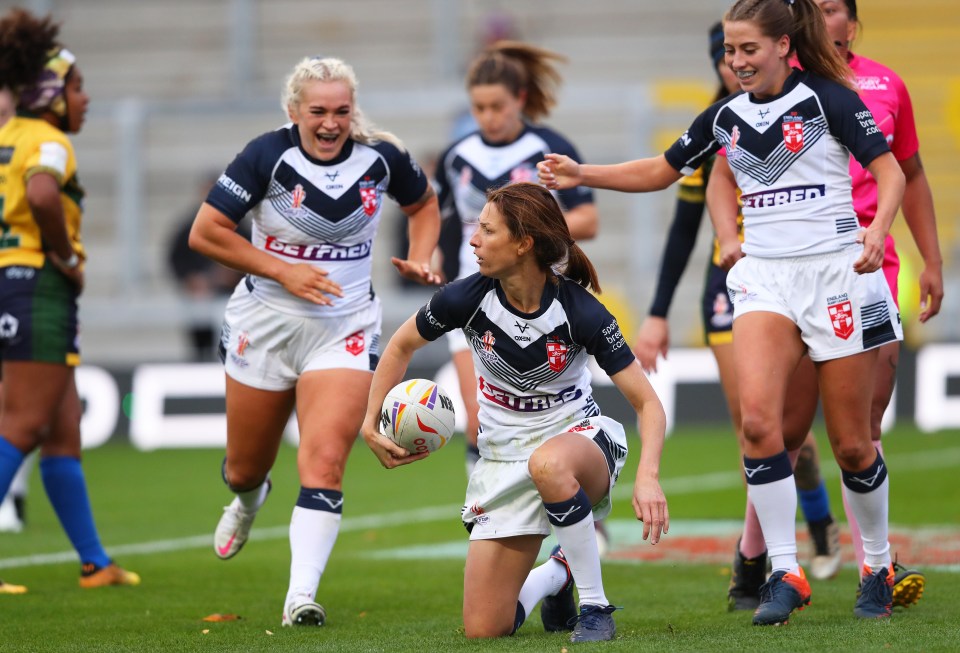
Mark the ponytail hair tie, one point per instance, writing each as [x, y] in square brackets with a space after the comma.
[789, 3]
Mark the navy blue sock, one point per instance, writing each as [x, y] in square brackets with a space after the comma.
[815, 503]
[320, 499]
[10, 459]
[63, 480]
[869, 479]
[569, 512]
[519, 618]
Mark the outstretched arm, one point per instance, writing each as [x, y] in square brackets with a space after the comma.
[559, 172]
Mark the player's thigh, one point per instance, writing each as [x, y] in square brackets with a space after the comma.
[494, 573]
[767, 348]
[255, 422]
[723, 354]
[331, 405]
[846, 391]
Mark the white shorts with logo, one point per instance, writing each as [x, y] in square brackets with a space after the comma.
[839, 312]
[267, 349]
[502, 500]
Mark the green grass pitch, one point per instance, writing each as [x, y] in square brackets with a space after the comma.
[394, 582]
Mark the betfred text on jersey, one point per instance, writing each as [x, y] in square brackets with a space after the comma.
[780, 196]
[321, 251]
[529, 404]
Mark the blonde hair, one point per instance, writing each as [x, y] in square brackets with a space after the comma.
[316, 69]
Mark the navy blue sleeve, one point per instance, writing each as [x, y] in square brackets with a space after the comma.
[697, 144]
[572, 197]
[850, 121]
[592, 326]
[244, 183]
[407, 181]
[452, 306]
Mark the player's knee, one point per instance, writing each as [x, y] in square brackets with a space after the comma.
[548, 467]
[241, 478]
[757, 428]
[854, 456]
[484, 628]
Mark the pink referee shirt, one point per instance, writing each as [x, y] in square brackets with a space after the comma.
[886, 96]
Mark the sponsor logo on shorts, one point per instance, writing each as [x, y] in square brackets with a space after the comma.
[9, 325]
[355, 343]
[722, 317]
[320, 251]
[781, 196]
[20, 272]
[526, 404]
[841, 316]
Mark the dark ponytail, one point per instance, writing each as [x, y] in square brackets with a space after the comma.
[530, 210]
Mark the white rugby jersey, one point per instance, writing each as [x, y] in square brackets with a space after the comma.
[472, 166]
[790, 155]
[324, 213]
[531, 368]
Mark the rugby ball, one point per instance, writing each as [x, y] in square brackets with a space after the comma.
[418, 415]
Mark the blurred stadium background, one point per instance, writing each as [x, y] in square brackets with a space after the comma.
[179, 86]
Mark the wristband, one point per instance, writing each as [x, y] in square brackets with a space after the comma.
[72, 262]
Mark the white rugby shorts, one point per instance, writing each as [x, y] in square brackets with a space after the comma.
[839, 312]
[502, 500]
[267, 349]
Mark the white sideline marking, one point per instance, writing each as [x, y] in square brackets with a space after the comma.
[672, 486]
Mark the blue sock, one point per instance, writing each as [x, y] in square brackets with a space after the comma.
[63, 480]
[815, 503]
[10, 459]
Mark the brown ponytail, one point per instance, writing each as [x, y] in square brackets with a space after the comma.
[521, 68]
[530, 210]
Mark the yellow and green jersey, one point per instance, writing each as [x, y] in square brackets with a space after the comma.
[30, 146]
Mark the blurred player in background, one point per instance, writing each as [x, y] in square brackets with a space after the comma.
[41, 277]
[512, 86]
[548, 457]
[810, 284]
[302, 329]
[13, 513]
[749, 567]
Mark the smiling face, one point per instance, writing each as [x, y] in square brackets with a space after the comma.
[497, 111]
[841, 27]
[497, 251]
[323, 118]
[759, 62]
